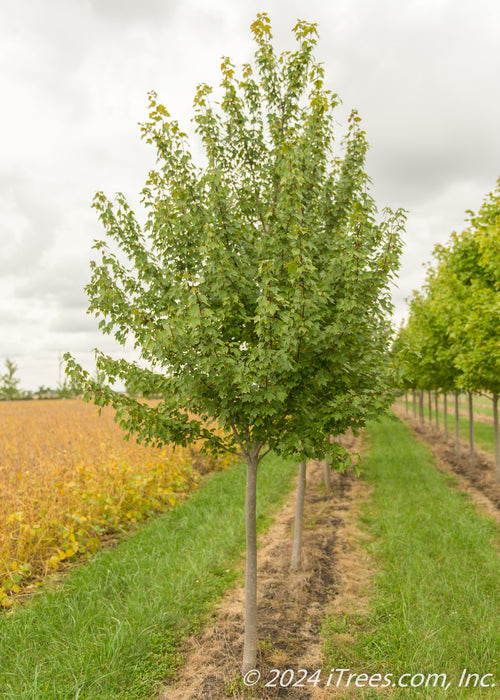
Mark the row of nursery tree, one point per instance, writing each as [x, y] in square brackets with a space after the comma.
[451, 340]
[256, 284]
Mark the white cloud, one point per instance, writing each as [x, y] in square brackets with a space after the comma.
[73, 86]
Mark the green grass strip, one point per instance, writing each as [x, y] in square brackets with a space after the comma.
[482, 405]
[115, 625]
[436, 600]
[484, 435]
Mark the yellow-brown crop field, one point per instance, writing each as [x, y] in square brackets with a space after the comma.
[68, 479]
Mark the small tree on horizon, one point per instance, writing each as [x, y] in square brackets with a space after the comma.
[9, 382]
[257, 290]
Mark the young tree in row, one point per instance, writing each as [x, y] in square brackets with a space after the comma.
[453, 332]
[473, 258]
[431, 347]
[404, 363]
[487, 226]
[257, 290]
[441, 307]
[422, 349]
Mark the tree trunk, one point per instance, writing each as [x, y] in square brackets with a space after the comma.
[457, 425]
[421, 405]
[414, 403]
[497, 442]
[429, 401]
[436, 399]
[445, 400]
[250, 643]
[299, 518]
[471, 430]
[326, 472]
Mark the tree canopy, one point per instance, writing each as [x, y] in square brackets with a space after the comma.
[257, 290]
[452, 336]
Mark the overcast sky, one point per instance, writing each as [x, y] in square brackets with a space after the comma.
[74, 78]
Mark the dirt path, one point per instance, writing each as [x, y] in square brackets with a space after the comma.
[479, 481]
[335, 576]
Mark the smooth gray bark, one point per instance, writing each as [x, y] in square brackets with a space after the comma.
[497, 442]
[421, 405]
[429, 401]
[471, 430]
[457, 425]
[445, 399]
[250, 642]
[436, 399]
[326, 472]
[299, 518]
[414, 404]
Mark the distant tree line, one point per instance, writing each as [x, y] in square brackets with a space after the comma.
[451, 340]
[10, 390]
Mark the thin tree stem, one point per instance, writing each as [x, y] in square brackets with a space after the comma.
[497, 441]
[457, 425]
[471, 430]
[250, 637]
[299, 518]
[326, 472]
[445, 399]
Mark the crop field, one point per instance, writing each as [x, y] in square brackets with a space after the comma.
[68, 480]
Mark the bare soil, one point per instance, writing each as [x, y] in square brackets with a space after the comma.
[335, 577]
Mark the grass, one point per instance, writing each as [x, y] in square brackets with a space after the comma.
[484, 436]
[483, 405]
[436, 599]
[115, 625]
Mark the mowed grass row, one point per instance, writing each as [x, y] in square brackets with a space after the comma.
[436, 599]
[482, 404]
[484, 435]
[115, 625]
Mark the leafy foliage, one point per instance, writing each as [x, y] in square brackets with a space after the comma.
[452, 337]
[257, 288]
[9, 381]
